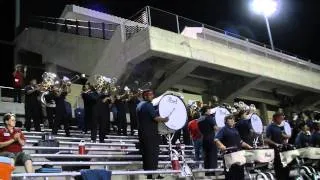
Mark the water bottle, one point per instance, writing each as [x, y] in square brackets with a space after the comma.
[82, 147]
[178, 144]
[123, 145]
[175, 162]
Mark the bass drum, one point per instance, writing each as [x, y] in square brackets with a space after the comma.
[172, 106]
[220, 114]
[256, 124]
[287, 128]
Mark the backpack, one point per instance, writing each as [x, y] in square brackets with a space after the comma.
[48, 143]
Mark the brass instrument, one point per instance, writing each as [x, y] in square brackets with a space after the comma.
[51, 82]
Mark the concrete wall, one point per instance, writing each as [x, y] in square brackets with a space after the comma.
[78, 53]
[222, 57]
[111, 62]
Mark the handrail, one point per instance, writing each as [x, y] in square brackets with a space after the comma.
[88, 149]
[102, 144]
[7, 87]
[76, 149]
[261, 49]
[84, 27]
[64, 25]
[78, 134]
[239, 37]
[139, 172]
[104, 163]
[79, 20]
[84, 156]
[86, 138]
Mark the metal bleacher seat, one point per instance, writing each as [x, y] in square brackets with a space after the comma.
[118, 154]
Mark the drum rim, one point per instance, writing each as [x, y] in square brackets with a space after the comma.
[286, 124]
[216, 113]
[172, 130]
[251, 122]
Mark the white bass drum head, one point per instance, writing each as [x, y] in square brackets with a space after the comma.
[221, 113]
[256, 124]
[173, 107]
[287, 128]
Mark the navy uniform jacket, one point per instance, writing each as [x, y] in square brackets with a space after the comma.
[229, 137]
[316, 139]
[146, 114]
[303, 140]
[274, 132]
[244, 128]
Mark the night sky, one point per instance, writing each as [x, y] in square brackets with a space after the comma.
[294, 26]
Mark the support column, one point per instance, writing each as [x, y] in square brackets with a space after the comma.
[176, 76]
[51, 67]
[205, 98]
[264, 113]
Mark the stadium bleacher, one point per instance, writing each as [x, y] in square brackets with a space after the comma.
[119, 154]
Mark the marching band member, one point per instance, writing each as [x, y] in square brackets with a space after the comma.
[148, 131]
[305, 118]
[244, 128]
[208, 127]
[294, 126]
[32, 106]
[133, 101]
[303, 139]
[275, 136]
[50, 107]
[89, 97]
[62, 114]
[121, 114]
[214, 102]
[101, 117]
[228, 137]
[316, 135]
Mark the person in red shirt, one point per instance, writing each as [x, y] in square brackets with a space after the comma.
[196, 136]
[11, 142]
[18, 77]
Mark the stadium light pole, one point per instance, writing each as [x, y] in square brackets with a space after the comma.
[265, 8]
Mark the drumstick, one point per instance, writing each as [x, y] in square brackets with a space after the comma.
[171, 112]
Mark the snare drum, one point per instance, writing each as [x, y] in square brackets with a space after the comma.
[309, 153]
[237, 157]
[259, 155]
[173, 107]
[288, 156]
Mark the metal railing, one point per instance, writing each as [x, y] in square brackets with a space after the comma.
[155, 17]
[100, 30]
[141, 172]
[9, 93]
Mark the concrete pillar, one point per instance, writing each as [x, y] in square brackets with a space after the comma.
[123, 32]
[16, 59]
[264, 113]
[51, 67]
[205, 98]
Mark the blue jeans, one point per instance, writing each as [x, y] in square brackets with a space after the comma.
[197, 144]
